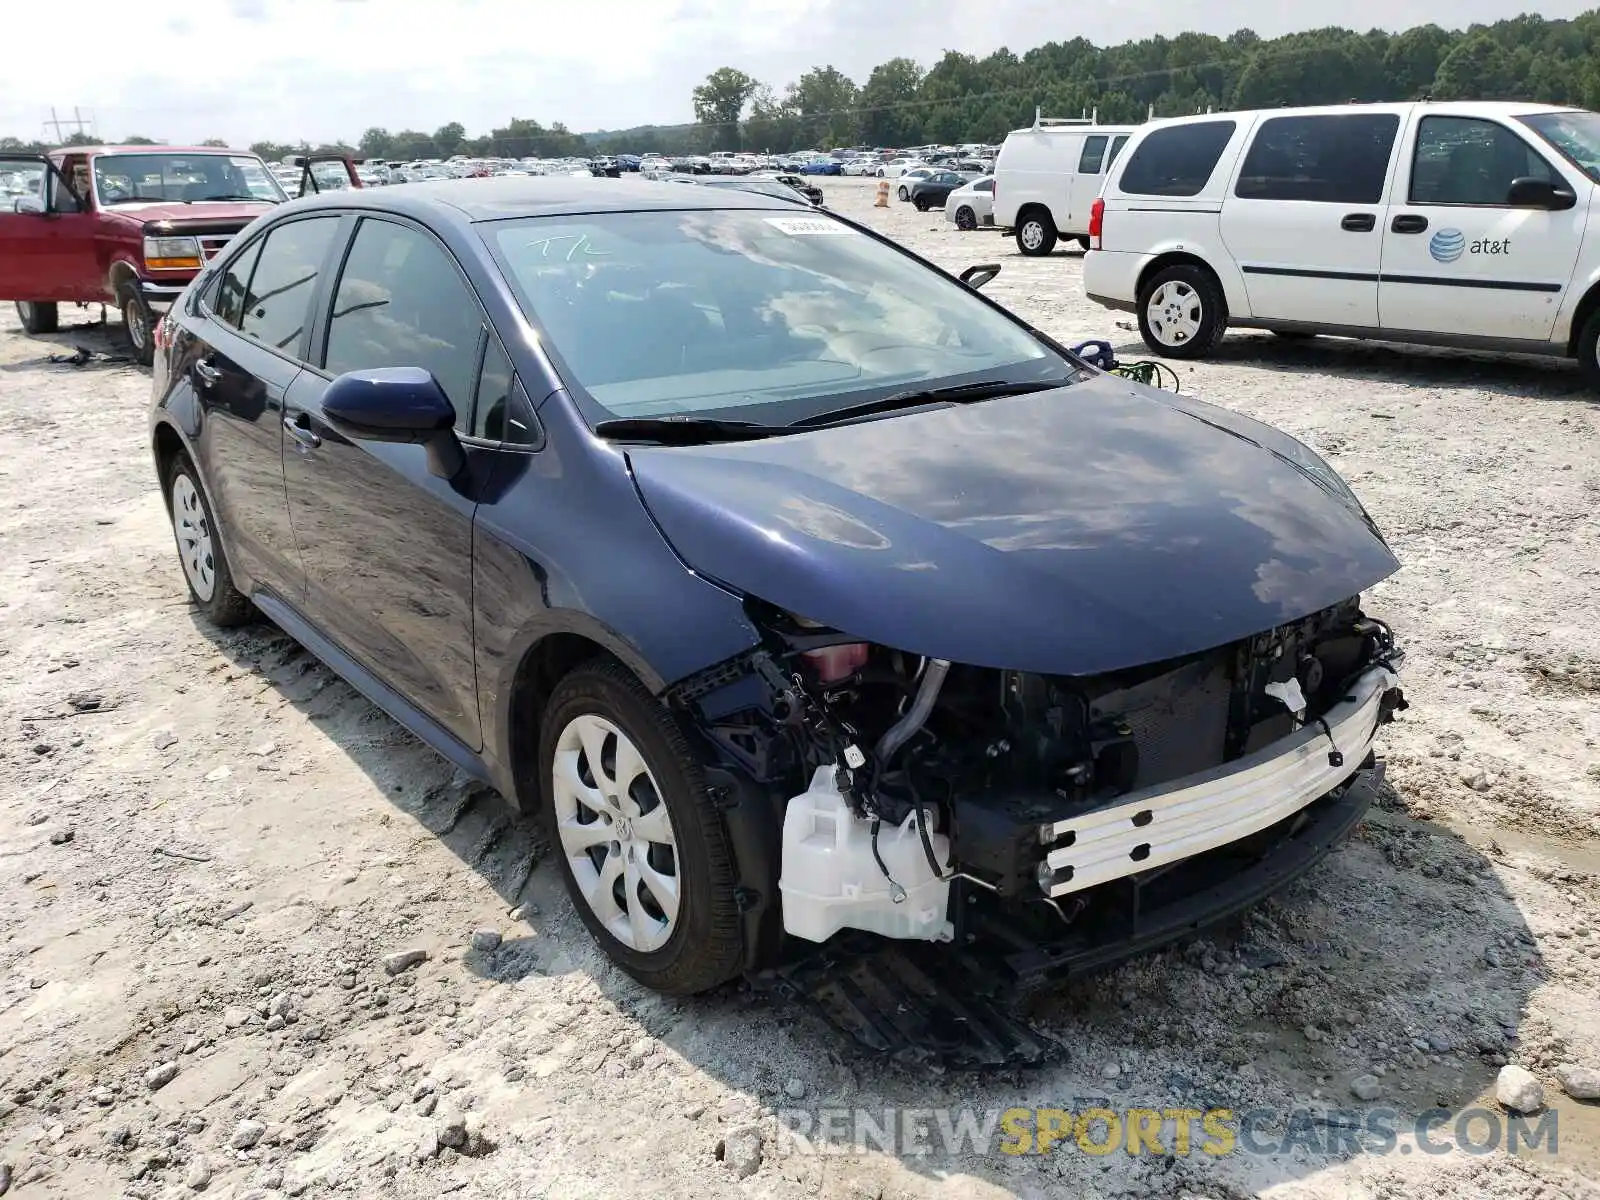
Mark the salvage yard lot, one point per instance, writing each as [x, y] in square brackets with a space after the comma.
[209, 844]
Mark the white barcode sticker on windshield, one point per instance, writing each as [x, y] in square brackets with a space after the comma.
[801, 226]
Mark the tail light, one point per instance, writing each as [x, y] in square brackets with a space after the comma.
[1097, 221]
[163, 332]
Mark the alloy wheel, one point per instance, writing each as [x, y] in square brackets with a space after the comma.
[1174, 313]
[616, 832]
[195, 547]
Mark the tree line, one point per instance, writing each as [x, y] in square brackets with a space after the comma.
[963, 98]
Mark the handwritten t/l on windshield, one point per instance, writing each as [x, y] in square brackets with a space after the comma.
[580, 245]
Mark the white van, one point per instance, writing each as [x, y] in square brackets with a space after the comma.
[1459, 224]
[1047, 176]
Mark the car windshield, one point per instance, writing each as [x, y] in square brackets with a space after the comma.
[757, 314]
[190, 178]
[1575, 134]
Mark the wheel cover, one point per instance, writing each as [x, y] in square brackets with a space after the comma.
[133, 318]
[1174, 313]
[616, 832]
[195, 546]
[1032, 235]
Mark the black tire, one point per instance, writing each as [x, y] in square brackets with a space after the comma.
[921, 203]
[706, 948]
[138, 324]
[38, 316]
[226, 607]
[966, 218]
[1197, 287]
[1589, 350]
[1083, 242]
[1036, 233]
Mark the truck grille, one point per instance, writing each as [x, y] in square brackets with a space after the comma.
[212, 243]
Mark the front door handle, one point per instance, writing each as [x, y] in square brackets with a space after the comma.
[1409, 223]
[299, 428]
[207, 373]
[1359, 223]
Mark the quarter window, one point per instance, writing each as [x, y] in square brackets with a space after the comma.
[1117, 143]
[1093, 158]
[494, 394]
[227, 303]
[1332, 159]
[285, 278]
[1465, 160]
[401, 302]
[1177, 160]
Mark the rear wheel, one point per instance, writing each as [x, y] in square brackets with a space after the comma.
[1036, 233]
[1589, 350]
[643, 849]
[966, 218]
[138, 325]
[1083, 242]
[37, 316]
[1181, 313]
[205, 567]
[921, 203]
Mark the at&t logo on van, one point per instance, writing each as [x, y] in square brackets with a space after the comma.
[1447, 245]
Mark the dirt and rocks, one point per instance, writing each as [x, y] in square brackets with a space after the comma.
[256, 940]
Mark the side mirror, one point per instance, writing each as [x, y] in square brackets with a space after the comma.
[976, 277]
[29, 204]
[1528, 192]
[397, 404]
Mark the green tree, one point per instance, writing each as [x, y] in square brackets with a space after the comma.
[889, 116]
[825, 100]
[1477, 68]
[449, 138]
[376, 142]
[719, 102]
[220, 143]
[134, 139]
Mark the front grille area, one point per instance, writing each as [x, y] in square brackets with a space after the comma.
[211, 244]
[1178, 721]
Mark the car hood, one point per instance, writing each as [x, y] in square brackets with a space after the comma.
[1075, 531]
[199, 213]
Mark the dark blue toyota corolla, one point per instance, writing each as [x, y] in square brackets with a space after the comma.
[804, 589]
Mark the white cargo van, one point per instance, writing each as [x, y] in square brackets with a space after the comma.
[1048, 175]
[1459, 224]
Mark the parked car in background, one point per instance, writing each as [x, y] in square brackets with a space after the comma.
[624, 532]
[861, 166]
[130, 226]
[972, 204]
[932, 191]
[1047, 177]
[766, 187]
[1461, 224]
[907, 178]
[896, 167]
[822, 166]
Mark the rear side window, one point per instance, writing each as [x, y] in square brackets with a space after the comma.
[285, 278]
[1333, 159]
[1093, 157]
[1465, 160]
[402, 303]
[228, 296]
[984, 185]
[1177, 160]
[1117, 143]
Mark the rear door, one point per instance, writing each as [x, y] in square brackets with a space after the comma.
[387, 545]
[1303, 218]
[47, 242]
[1458, 258]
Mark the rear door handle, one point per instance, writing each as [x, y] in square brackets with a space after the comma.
[1359, 223]
[1409, 223]
[299, 428]
[207, 373]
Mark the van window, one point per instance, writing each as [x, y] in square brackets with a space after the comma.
[1177, 160]
[1117, 143]
[1334, 159]
[1465, 160]
[1093, 157]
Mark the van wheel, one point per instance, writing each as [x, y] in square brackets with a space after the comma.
[1036, 234]
[37, 316]
[966, 218]
[1589, 350]
[1181, 312]
[138, 326]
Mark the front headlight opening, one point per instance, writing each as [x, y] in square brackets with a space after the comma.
[172, 253]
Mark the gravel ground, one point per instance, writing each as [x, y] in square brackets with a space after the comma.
[209, 847]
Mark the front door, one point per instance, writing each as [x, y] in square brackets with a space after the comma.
[47, 234]
[1457, 257]
[387, 545]
[1303, 218]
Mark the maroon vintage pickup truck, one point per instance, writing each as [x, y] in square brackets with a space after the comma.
[126, 225]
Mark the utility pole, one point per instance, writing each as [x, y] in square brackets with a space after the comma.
[56, 122]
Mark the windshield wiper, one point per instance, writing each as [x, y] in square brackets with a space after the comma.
[685, 431]
[238, 196]
[961, 393]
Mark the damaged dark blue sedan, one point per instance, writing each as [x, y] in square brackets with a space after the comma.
[805, 589]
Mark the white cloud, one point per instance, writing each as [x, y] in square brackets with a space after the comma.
[320, 69]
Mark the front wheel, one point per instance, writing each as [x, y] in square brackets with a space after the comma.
[1036, 235]
[643, 849]
[37, 316]
[966, 218]
[1181, 312]
[138, 325]
[1589, 350]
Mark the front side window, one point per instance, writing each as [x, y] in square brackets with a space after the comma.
[192, 178]
[1466, 160]
[1093, 157]
[1332, 159]
[783, 315]
[1576, 135]
[1177, 160]
[401, 302]
[227, 302]
[278, 302]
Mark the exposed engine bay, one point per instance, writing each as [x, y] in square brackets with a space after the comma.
[919, 795]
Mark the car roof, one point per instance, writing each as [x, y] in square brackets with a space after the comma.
[1443, 108]
[507, 196]
[140, 148]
